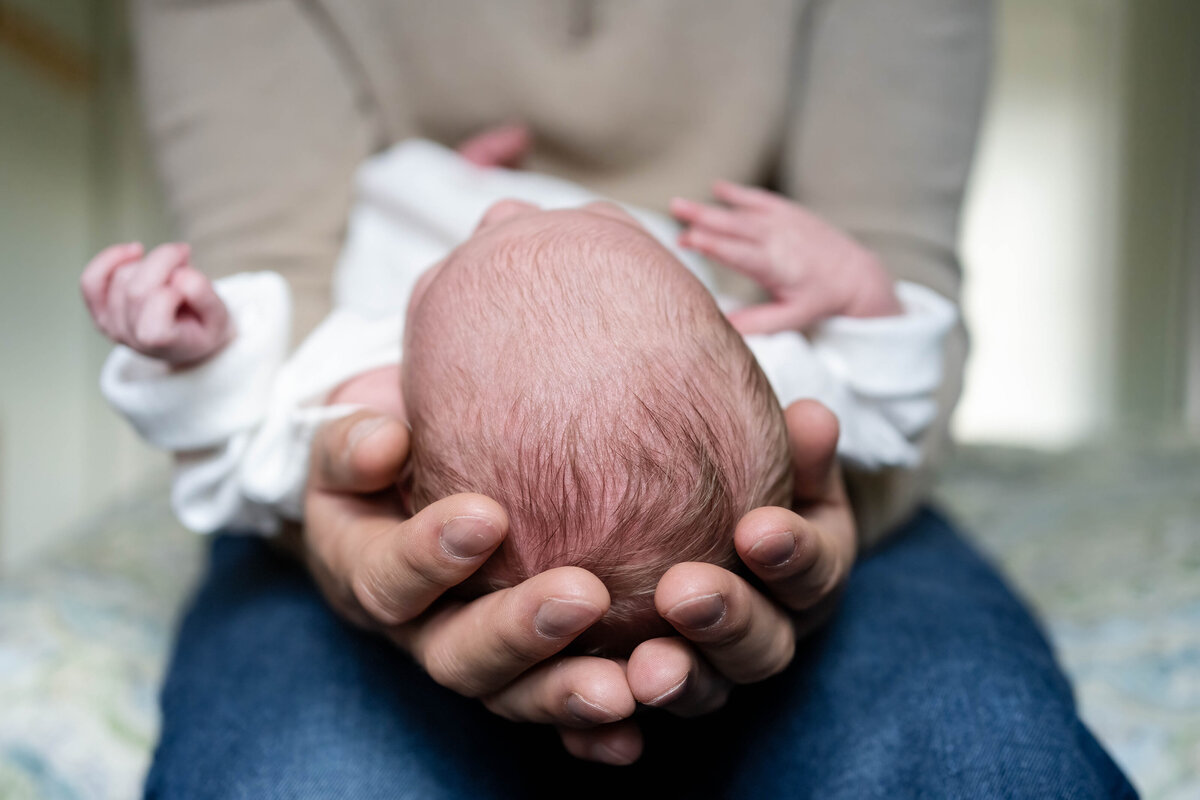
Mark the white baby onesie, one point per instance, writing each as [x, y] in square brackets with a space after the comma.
[244, 419]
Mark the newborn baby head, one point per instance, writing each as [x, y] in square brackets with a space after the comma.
[568, 366]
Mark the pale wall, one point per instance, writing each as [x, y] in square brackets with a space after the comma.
[1041, 236]
[63, 456]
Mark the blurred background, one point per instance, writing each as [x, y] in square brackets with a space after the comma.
[1079, 463]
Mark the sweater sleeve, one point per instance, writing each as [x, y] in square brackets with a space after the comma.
[885, 112]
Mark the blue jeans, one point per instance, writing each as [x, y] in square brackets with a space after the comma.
[931, 681]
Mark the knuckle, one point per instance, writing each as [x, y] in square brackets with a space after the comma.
[717, 700]
[497, 706]
[422, 570]
[190, 280]
[775, 658]
[515, 647]
[370, 591]
[731, 632]
[153, 338]
[88, 282]
[448, 670]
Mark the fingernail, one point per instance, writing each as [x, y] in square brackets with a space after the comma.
[699, 612]
[774, 550]
[558, 618]
[592, 713]
[612, 754]
[669, 694]
[363, 430]
[468, 537]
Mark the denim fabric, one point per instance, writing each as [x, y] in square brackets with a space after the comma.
[932, 681]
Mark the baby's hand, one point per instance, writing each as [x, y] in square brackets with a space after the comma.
[158, 305]
[502, 146]
[812, 270]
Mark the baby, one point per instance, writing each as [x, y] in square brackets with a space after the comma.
[563, 362]
[568, 366]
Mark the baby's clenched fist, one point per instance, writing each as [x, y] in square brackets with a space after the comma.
[156, 303]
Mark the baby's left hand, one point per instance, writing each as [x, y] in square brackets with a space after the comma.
[811, 269]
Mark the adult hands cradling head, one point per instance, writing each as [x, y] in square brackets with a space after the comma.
[388, 574]
[730, 632]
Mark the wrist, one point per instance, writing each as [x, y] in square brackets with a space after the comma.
[189, 358]
[870, 289]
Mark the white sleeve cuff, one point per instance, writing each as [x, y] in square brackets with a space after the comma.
[878, 375]
[204, 406]
[886, 357]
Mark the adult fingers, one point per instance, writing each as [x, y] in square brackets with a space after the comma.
[94, 281]
[480, 647]
[804, 558]
[363, 452]
[744, 635]
[618, 744]
[813, 433]
[572, 692]
[392, 569]
[716, 220]
[801, 563]
[402, 569]
[669, 673]
[820, 491]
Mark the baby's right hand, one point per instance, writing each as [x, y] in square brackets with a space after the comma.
[158, 305]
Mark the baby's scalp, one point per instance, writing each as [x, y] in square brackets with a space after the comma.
[567, 365]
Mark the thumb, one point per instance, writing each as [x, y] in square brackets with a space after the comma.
[813, 432]
[361, 453]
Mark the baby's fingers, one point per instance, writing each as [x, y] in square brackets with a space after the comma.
[97, 275]
[202, 298]
[793, 314]
[749, 197]
[154, 273]
[741, 255]
[712, 219]
[156, 330]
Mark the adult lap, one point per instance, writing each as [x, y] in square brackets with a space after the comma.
[932, 679]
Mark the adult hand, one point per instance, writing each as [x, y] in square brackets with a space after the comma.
[388, 574]
[730, 632]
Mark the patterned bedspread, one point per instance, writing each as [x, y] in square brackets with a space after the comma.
[1105, 543]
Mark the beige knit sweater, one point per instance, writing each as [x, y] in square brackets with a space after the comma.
[866, 111]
